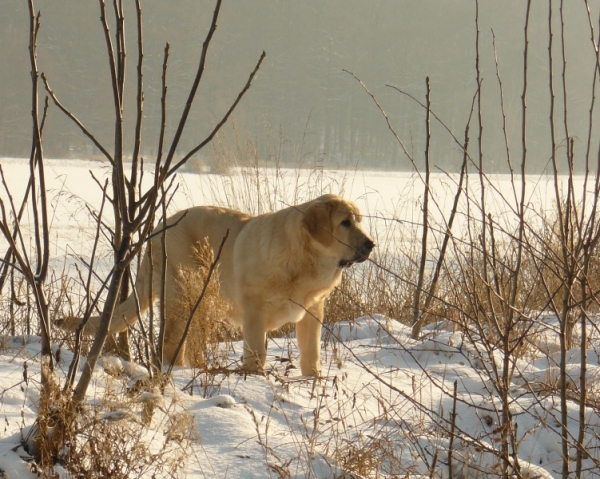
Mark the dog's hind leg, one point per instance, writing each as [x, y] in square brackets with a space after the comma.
[139, 300]
[175, 322]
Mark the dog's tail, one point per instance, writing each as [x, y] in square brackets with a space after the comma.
[126, 313]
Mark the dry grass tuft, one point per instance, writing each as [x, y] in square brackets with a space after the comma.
[209, 340]
[364, 457]
[117, 443]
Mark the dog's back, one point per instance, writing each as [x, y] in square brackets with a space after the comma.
[184, 231]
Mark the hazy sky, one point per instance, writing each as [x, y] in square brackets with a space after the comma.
[302, 104]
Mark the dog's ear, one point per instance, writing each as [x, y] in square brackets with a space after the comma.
[317, 220]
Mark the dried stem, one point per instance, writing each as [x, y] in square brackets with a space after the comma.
[417, 312]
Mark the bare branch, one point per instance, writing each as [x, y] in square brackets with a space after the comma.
[194, 89]
[216, 129]
[75, 120]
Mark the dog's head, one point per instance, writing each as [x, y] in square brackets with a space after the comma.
[334, 226]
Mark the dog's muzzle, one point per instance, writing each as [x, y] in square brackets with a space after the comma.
[361, 254]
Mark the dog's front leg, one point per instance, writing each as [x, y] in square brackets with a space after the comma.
[255, 337]
[308, 332]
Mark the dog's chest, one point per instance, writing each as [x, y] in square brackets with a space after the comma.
[293, 307]
[287, 312]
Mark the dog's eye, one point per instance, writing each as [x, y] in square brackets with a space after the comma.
[346, 223]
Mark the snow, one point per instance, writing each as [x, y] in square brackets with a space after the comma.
[376, 379]
[384, 403]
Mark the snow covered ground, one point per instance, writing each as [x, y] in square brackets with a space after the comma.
[383, 406]
[382, 409]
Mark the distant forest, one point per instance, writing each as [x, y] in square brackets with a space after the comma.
[302, 106]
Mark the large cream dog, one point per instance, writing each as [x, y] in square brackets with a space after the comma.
[274, 269]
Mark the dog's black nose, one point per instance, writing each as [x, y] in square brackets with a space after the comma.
[368, 245]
